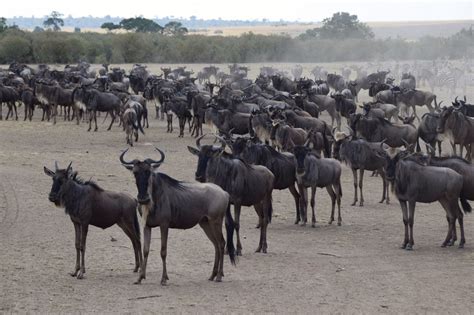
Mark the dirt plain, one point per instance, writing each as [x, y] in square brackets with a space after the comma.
[355, 268]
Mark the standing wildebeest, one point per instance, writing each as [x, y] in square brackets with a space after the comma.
[130, 124]
[376, 129]
[8, 95]
[413, 98]
[313, 171]
[345, 107]
[168, 203]
[285, 137]
[247, 185]
[87, 203]
[103, 102]
[458, 128]
[414, 182]
[427, 131]
[390, 110]
[361, 155]
[282, 165]
[29, 100]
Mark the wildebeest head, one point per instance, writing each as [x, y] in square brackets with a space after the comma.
[339, 138]
[393, 156]
[204, 154]
[300, 152]
[445, 113]
[60, 177]
[142, 170]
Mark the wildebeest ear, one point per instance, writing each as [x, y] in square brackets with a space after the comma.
[193, 151]
[48, 172]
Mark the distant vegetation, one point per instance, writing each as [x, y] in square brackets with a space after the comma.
[341, 38]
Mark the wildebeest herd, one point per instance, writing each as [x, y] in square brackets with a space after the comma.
[267, 134]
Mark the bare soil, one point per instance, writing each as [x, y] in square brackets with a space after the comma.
[355, 268]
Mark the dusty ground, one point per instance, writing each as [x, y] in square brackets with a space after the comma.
[355, 268]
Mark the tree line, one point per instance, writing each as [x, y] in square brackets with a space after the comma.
[341, 38]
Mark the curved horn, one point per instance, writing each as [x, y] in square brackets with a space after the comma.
[56, 165]
[198, 141]
[222, 141]
[456, 100]
[68, 167]
[157, 162]
[122, 159]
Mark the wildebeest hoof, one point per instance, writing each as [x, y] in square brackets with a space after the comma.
[80, 275]
[73, 274]
[238, 252]
[354, 203]
[443, 244]
[361, 204]
[297, 221]
[409, 247]
[219, 279]
[313, 225]
[461, 246]
[339, 223]
[404, 245]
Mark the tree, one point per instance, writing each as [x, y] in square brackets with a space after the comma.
[342, 25]
[3, 24]
[110, 26]
[174, 28]
[140, 25]
[54, 21]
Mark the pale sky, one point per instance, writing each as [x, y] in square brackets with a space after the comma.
[294, 10]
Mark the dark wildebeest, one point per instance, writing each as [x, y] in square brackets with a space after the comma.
[88, 204]
[413, 98]
[282, 165]
[376, 130]
[130, 124]
[427, 131]
[361, 155]
[247, 185]
[95, 101]
[313, 171]
[30, 101]
[390, 110]
[260, 125]
[345, 107]
[458, 128]
[8, 95]
[463, 107]
[414, 182]
[169, 203]
[283, 84]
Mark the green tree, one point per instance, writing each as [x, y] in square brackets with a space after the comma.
[3, 24]
[341, 25]
[54, 21]
[110, 26]
[140, 25]
[174, 28]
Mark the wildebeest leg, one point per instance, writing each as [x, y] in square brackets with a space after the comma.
[403, 205]
[332, 194]
[265, 208]
[94, 113]
[1, 111]
[303, 204]
[361, 184]
[313, 197]
[82, 271]
[385, 193]
[182, 124]
[164, 245]
[338, 190]
[26, 112]
[208, 230]
[127, 227]
[461, 227]
[296, 196]
[411, 221]
[113, 119]
[414, 113]
[217, 230]
[354, 175]
[77, 229]
[55, 113]
[439, 147]
[16, 113]
[237, 228]
[91, 116]
[146, 251]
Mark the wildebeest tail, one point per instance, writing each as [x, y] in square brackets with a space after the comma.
[229, 227]
[340, 188]
[465, 205]
[139, 127]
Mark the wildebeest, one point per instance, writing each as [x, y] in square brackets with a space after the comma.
[88, 204]
[8, 95]
[414, 182]
[285, 137]
[376, 130]
[427, 131]
[130, 124]
[390, 110]
[313, 171]
[345, 107]
[282, 165]
[458, 128]
[169, 203]
[413, 98]
[248, 185]
[361, 155]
